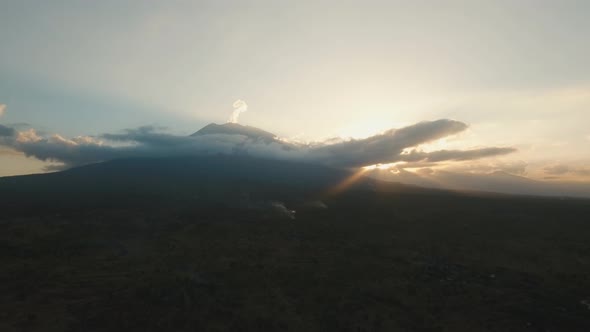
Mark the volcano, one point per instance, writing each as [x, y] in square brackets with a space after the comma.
[199, 241]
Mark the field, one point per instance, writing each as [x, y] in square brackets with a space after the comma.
[367, 261]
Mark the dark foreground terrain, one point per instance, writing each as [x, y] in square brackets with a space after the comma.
[367, 259]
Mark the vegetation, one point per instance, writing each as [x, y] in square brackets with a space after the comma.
[373, 260]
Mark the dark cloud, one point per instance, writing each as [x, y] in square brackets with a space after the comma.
[387, 147]
[7, 131]
[68, 152]
[141, 142]
[148, 135]
[151, 142]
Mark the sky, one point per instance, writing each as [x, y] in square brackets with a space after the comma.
[514, 72]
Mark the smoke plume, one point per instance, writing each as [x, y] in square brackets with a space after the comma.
[240, 106]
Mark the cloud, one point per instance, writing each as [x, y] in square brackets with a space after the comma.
[6, 131]
[557, 169]
[9, 152]
[150, 141]
[514, 167]
[387, 147]
[564, 170]
[456, 155]
[141, 142]
[148, 135]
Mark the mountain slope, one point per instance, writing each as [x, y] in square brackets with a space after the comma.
[235, 129]
[216, 179]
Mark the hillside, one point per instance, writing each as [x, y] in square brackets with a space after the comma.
[235, 243]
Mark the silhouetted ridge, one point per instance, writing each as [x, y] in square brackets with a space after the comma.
[201, 180]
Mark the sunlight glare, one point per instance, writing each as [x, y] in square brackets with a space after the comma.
[380, 167]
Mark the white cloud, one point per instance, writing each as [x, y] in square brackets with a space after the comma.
[28, 136]
[2, 109]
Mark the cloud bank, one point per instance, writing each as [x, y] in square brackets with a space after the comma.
[397, 150]
[562, 169]
[388, 147]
